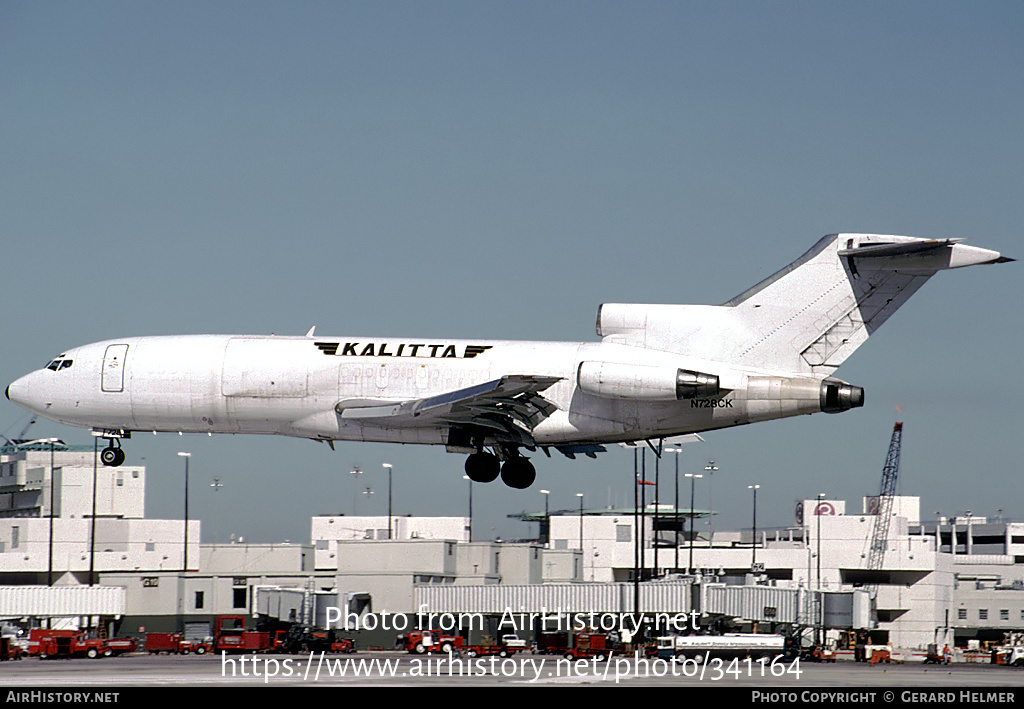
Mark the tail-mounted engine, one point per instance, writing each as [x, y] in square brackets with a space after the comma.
[612, 380]
[837, 396]
[762, 396]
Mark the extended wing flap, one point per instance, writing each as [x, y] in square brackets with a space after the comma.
[515, 398]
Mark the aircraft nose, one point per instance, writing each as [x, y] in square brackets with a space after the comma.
[17, 391]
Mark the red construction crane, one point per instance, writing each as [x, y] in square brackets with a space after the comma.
[880, 533]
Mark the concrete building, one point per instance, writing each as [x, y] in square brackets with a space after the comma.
[926, 589]
[961, 576]
[327, 530]
[30, 478]
[61, 544]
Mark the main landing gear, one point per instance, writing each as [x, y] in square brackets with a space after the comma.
[517, 471]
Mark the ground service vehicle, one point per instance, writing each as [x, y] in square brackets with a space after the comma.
[753, 645]
[175, 644]
[1011, 651]
[1008, 656]
[230, 635]
[503, 649]
[419, 642]
[819, 653]
[299, 639]
[576, 646]
[66, 643]
[120, 646]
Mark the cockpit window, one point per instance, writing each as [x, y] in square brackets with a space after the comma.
[60, 363]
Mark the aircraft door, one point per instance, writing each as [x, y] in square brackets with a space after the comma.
[112, 375]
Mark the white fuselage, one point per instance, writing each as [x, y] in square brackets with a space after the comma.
[293, 385]
[659, 370]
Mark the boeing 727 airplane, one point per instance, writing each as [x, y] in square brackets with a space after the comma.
[657, 371]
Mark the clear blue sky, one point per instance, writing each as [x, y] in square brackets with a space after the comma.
[497, 170]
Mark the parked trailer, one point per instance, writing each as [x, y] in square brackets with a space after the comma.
[575, 646]
[754, 645]
[490, 650]
[119, 646]
[552, 643]
[175, 644]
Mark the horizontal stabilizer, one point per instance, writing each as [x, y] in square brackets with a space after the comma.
[898, 249]
[806, 318]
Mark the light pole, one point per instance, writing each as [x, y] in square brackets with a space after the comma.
[753, 543]
[710, 469]
[817, 512]
[186, 456]
[216, 485]
[49, 573]
[821, 619]
[657, 504]
[675, 504]
[580, 495]
[693, 481]
[389, 467]
[643, 512]
[466, 477]
[636, 535]
[355, 473]
[546, 530]
[969, 547]
[92, 526]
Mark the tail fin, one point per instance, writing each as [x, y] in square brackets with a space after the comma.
[808, 317]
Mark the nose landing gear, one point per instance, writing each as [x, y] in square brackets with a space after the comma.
[112, 456]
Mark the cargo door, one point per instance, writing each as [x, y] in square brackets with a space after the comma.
[112, 376]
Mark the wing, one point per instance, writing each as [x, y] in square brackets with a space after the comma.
[506, 409]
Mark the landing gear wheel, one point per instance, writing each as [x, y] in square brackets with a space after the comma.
[482, 467]
[111, 456]
[518, 473]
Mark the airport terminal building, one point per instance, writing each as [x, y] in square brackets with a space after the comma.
[74, 556]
